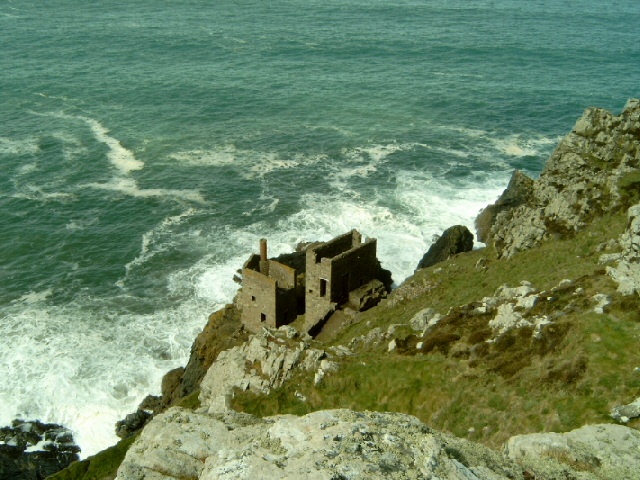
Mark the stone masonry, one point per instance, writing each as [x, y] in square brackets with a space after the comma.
[337, 273]
[334, 269]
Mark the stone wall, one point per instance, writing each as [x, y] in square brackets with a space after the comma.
[257, 299]
[284, 275]
[268, 296]
[330, 279]
[352, 269]
[336, 246]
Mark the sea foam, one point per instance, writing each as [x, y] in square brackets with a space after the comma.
[121, 158]
[9, 146]
[129, 186]
[70, 353]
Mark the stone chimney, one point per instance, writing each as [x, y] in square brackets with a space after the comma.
[264, 263]
[263, 249]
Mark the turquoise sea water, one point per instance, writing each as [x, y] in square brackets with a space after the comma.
[146, 146]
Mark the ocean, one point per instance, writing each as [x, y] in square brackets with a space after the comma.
[147, 146]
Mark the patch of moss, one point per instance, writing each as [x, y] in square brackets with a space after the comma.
[629, 189]
[190, 402]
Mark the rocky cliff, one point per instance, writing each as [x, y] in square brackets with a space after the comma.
[580, 181]
[524, 352]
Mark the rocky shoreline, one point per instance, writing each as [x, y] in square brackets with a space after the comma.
[520, 330]
[35, 450]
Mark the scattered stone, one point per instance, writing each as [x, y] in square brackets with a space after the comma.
[312, 359]
[507, 293]
[527, 302]
[481, 264]
[373, 337]
[624, 413]
[454, 240]
[602, 301]
[341, 351]
[507, 318]
[393, 329]
[539, 324]
[289, 331]
[329, 366]
[610, 258]
[608, 246]
[326, 366]
[424, 319]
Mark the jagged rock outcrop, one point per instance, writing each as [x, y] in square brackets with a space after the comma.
[454, 240]
[267, 360]
[518, 192]
[595, 451]
[424, 319]
[627, 272]
[132, 423]
[35, 450]
[222, 332]
[579, 181]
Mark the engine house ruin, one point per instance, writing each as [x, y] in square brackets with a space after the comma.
[317, 280]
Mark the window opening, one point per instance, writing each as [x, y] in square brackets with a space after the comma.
[323, 287]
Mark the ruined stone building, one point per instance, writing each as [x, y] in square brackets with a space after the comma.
[338, 274]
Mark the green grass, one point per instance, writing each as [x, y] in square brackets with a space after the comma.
[458, 281]
[190, 402]
[629, 188]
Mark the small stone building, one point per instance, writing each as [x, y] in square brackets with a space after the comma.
[343, 272]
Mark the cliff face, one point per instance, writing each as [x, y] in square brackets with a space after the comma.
[579, 181]
[536, 333]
